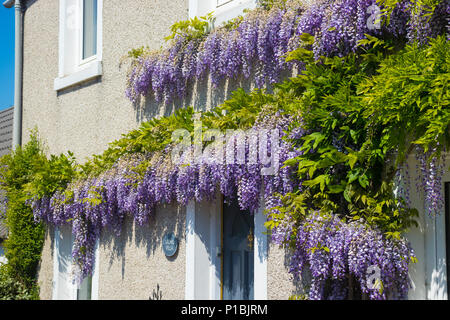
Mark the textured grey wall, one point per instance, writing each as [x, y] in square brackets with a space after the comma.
[133, 266]
[86, 117]
[45, 274]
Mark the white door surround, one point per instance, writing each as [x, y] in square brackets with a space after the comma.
[64, 288]
[203, 250]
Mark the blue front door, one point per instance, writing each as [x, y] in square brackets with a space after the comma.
[238, 242]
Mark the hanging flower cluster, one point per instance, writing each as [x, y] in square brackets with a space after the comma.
[258, 45]
[429, 180]
[104, 201]
[335, 251]
[332, 248]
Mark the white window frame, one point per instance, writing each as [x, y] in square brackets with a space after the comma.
[73, 286]
[429, 274]
[81, 35]
[224, 10]
[196, 252]
[88, 68]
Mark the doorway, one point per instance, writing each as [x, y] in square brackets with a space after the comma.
[226, 249]
[238, 253]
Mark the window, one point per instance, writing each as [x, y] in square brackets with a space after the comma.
[80, 42]
[89, 34]
[223, 9]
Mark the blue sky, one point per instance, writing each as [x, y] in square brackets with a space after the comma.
[6, 57]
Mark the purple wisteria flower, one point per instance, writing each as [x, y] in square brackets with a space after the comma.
[258, 45]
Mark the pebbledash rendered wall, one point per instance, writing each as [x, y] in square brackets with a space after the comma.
[86, 117]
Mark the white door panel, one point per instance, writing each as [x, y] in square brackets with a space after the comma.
[64, 288]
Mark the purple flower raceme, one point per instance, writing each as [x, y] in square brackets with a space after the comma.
[97, 203]
[335, 251]
[331, 249]
[429, 180]
[258, 45]
[424, 24]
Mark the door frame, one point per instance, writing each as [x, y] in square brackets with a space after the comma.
[204, 251]
[72, 286]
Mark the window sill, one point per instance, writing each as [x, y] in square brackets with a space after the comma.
[94, 69]
[230, 10]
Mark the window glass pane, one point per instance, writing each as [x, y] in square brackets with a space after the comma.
[84, 293]
[89, 28]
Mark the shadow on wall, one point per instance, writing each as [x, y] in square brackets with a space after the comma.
[156, 294]
[200, 93]
[166, 218]
[79, 86]
[299, 285]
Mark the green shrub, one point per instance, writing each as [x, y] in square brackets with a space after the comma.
[26, 237]
[13, 289]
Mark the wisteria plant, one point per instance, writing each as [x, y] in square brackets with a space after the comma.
[255, 45]
[344, 135]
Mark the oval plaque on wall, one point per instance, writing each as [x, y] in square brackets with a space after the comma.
[169, 244]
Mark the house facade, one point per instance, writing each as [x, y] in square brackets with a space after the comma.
[6, 125]
[73, 92]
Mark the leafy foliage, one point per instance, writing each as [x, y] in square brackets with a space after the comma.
[350, 118]
[357, 121]
[416, 5]
[25, 239]
[364, 114]
[13, 289]
[411, 92]
[27, 173]
[193, 28]
[238, 112]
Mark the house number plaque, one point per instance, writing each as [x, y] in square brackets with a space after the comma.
[169, 244]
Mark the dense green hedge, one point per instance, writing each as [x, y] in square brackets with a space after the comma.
[25, 240]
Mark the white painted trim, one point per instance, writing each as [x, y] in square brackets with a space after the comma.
[222, 12]
[215, 228]
[435, 254]
[429, 275]
[72, 282]
[440, 276]
[93, 69]
[98, 55]
[73, 287]
[62, 23]
[84, 69]
[96, 273]
[100, 30]
[193, 8]
[55, 265]
[190, 251]
[260, 255]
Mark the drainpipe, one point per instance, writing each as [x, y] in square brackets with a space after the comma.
[17, 124]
